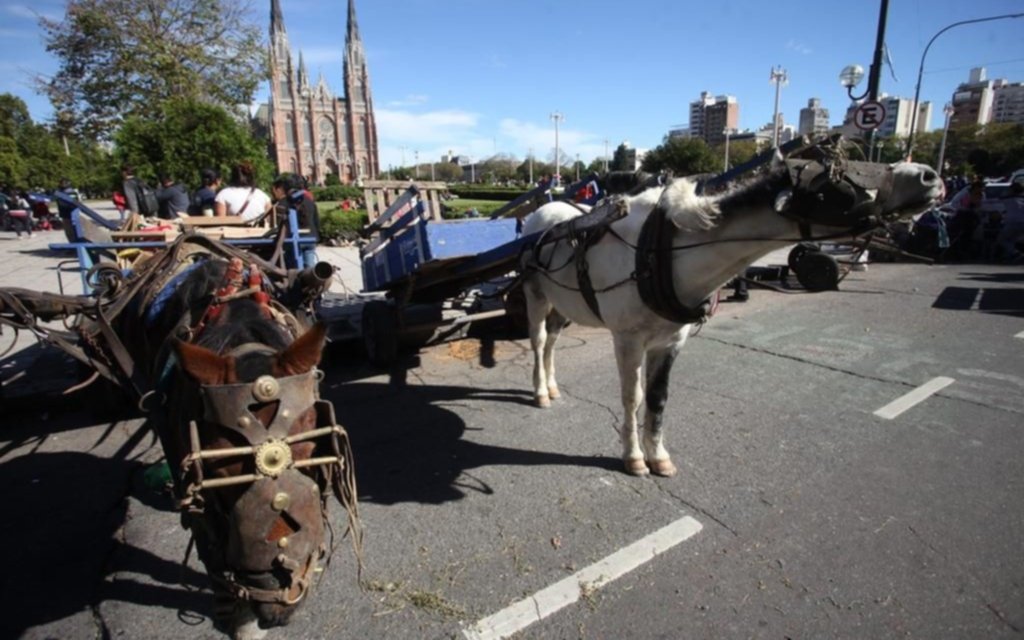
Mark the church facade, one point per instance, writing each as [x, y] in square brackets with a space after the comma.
[310, 131]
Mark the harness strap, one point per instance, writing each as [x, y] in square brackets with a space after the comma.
[581, 240]
[654, 271]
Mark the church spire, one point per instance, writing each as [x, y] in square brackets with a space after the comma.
[276, 18]
[303, 74]
[353, 26]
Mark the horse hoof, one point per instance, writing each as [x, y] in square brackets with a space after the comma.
[554, 393]
[543, 401]
[636, 467]
[663, 468]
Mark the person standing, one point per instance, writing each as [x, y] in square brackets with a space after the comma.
[172, 199]
[1011, 233]
[205, 196]
[65, 206]
[140, 197]
[290, 193]
[242, 197]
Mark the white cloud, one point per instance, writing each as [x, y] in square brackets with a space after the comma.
[799, 47]
[409, 101]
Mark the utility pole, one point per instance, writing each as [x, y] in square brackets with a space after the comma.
[779, 77]
[557, 117]
[531, 166]
[948, 110]
[416, 155]
[606, 155]
[875, 72]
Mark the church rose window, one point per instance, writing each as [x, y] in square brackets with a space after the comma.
[326, 133]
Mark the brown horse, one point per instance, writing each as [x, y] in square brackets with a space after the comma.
[255, 454]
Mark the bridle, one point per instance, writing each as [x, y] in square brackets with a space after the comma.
[288, 495]
[277, 483]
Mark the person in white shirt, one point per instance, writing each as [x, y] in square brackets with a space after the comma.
[242, 197]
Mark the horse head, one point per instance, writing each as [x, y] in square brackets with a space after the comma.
[855, 197]
[260, 455]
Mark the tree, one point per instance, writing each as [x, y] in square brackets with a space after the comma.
[620, 160]
[189, 136]
[447, 171]
[683, 157]
[124, 58]
[34, 156]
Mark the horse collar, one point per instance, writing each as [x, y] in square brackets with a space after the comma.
[653, 271]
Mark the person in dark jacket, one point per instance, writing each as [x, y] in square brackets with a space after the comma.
[172, 198]
[289, 192]
[205, 195]
[64, 208]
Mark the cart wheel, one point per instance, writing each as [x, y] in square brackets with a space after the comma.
[380, 332]
[799, 251]
[817, 271]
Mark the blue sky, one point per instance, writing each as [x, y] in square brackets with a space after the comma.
[480, 77]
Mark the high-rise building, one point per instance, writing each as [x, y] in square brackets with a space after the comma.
[972, 100]
[311, 131]
[711, 116]
[1008, 103]
[813, 119]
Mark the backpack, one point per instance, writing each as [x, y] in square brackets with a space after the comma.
[148, 205]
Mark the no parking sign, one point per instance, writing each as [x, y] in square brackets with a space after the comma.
[869, 115]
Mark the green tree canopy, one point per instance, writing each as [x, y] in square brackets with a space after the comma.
[683, 157]
[35, 156]
[189, 136]
[123, 58]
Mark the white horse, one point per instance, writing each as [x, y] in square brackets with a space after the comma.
[713, 239]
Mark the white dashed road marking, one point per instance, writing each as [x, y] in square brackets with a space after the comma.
[920, 394]
[1019, 335]
[547, 601]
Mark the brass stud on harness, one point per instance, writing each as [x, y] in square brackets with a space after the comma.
[273, 457]
[283, 543]
[266, 388]
[281, 501]
[244, 422]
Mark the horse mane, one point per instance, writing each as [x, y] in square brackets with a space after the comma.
[687, 210]
[245, 321]
[755, 192]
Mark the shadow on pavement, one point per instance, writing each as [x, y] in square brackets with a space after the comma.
[409, 448]
[60, 530]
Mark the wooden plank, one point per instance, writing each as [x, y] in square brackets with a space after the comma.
[212, 221]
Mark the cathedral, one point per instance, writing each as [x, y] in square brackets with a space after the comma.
[311, 131]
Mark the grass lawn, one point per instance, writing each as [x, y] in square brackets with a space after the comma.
[460, 206]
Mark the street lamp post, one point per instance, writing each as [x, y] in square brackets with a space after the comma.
[577, 167]
[531, 166]
[779, 77]
[416, 155]
[557, 117]
[727, 132]
[920, 70]
[948, 110]
[606, 155]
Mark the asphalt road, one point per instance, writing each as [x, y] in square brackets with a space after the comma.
[800, 513]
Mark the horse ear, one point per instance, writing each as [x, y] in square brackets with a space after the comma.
[204, 365]
[303, 354]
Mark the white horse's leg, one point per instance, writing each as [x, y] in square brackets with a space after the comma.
[554, 325]
[629, 356]
[537, 310]
[659, 365]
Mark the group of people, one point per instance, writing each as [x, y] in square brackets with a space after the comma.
[976, 232]
[240, 198]
[17, 211]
